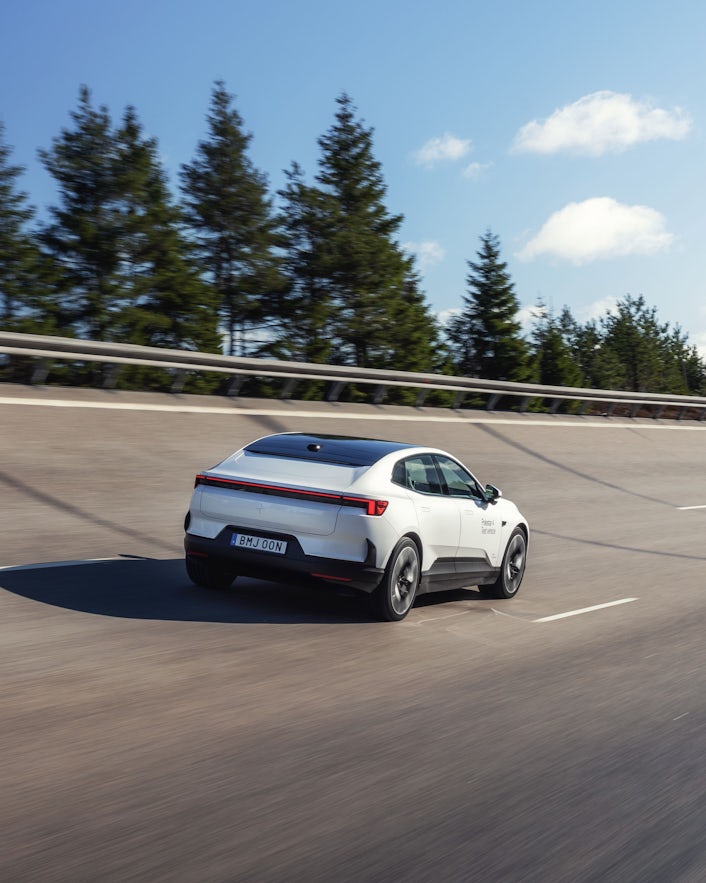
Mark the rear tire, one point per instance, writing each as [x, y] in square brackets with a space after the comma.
[513, 568]
[395, 595]
[206, 574]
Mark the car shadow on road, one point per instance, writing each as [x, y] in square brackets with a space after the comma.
[160, 590]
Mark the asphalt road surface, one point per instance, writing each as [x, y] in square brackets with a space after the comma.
[154, 731]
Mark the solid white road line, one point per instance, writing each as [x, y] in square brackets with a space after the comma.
[388, 416]
[684, 508]
[584, 610]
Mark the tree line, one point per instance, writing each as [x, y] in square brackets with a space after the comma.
[313, 273]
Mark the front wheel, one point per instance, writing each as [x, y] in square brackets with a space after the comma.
[396, 593]
[206, 574]
[512, 570]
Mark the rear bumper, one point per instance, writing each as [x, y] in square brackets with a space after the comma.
[294, 566]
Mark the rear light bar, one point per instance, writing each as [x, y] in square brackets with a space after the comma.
[338, 579]
[371, 506]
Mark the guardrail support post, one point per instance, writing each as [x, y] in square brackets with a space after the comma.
[681, 413]
[179, 381]
[380, 392]
[40, 372]
[702, 415]
[635, 408]
[288, 388]
[335, 391]
[421, 395]
[524, 403]
[658, 413]
[492, 402]
[110, 376]
[610, 407]
[458, 400]
[236, 381]
[554, 407]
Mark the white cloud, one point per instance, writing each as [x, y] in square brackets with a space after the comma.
[427, 253]
[447, 148]
[600, 123]
[476, 169]
[597, 309]
[599, 228]
[699, 341]
[445, 316]
[527, 317]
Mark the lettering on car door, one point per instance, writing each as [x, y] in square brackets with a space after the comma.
[480, 528]
[438, 515]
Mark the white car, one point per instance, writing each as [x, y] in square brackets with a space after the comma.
[389, 519]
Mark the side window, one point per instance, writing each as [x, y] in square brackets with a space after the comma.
[420, 475]
[459, 481]
[399, 475]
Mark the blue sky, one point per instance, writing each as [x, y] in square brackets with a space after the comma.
[573, 131]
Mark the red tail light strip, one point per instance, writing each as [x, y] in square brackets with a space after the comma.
[372, 507]
[338, 579]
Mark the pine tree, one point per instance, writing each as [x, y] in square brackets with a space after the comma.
[486, 335]
[371, 279]
[83, 236]
[416, 344]
[600, 366]
[626, 348]
[654, 357]
[555, 364]
[227, 206]
[689, 365]
[307, 308]
[163, 300]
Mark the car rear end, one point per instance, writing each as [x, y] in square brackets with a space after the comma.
[286, 507]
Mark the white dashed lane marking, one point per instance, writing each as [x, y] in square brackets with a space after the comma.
[46, 565]
[584, 610]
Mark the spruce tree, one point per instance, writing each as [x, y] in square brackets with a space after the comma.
[307, 308]
[626, 348]
[371, 279]
[163, 300]
[654, 358]
[600, 366]
[555, 364]
[690, 366]
[227, 206]
[486, 334]
[22, 305]
[82, 238]
[416, 342]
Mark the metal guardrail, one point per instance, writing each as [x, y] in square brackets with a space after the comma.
[46, 350]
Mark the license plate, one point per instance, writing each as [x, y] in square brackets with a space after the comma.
[258, 544]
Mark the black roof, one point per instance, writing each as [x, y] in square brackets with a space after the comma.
[341, 449]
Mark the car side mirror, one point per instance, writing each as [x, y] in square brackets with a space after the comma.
[492, 493]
